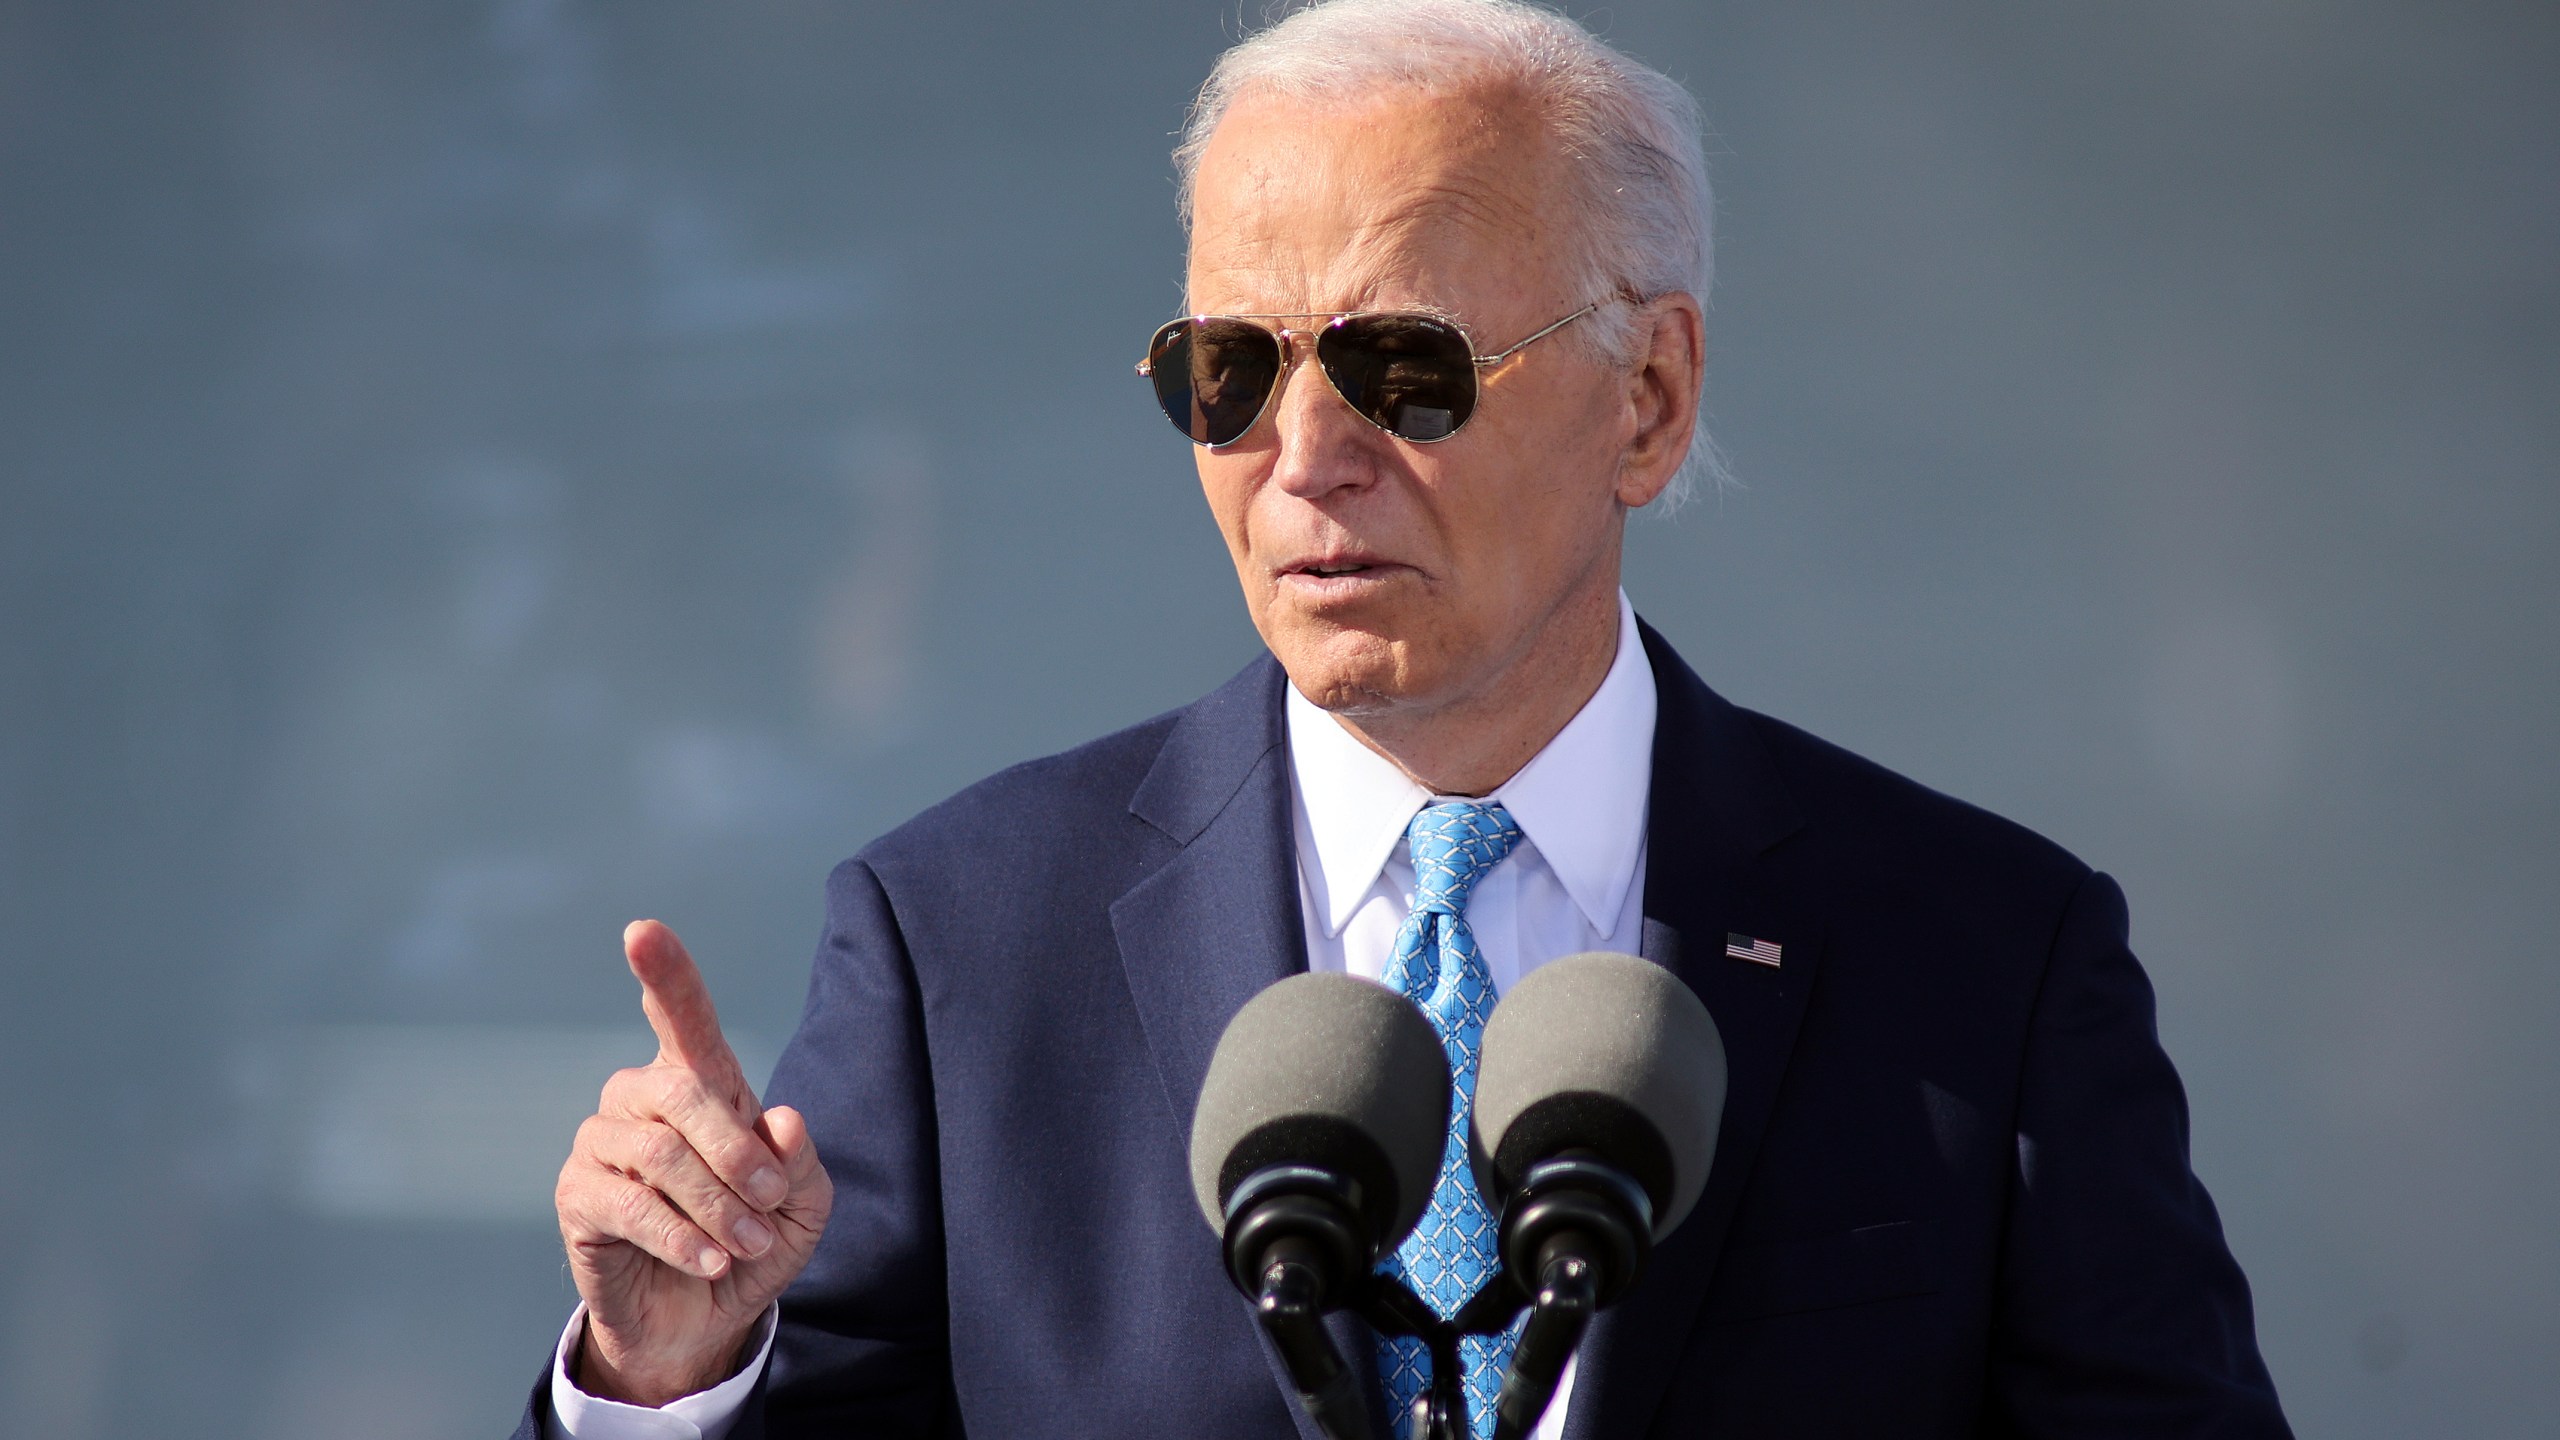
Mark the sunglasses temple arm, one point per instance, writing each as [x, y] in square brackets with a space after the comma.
[1499, 356]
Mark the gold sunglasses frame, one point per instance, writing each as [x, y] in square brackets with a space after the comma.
[1334, 318]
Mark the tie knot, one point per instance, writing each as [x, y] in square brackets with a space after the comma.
[1453, 846]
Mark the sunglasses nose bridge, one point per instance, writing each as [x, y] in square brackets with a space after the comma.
[1296, 345]
[1292, 351]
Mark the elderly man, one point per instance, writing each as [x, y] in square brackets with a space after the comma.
[1445, 261]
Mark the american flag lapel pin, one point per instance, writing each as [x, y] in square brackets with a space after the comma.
[1758, 952]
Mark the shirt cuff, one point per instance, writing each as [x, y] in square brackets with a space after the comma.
[703, 1415]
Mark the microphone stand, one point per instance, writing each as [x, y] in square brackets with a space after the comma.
[1568, 1293]
[1582, 1227]
[1291, 1312]
[1391, 1308]
[1291, 1307]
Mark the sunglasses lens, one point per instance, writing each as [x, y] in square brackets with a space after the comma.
[1213, 376]
[1411, 375]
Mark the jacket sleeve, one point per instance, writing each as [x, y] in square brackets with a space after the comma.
[863, 1347]
[2121, 1310]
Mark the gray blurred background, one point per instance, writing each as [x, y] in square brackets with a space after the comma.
[472, 473]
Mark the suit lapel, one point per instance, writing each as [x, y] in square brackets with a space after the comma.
[1219, 921]
[1718, 809]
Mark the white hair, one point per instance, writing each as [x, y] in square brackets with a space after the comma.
[1643, 199]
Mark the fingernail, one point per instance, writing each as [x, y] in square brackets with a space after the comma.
[766, 1187]
[753, 1235]
[713, 1260]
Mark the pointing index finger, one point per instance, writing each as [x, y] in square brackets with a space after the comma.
[679, 1008]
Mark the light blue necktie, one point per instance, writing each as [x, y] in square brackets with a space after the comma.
[1454, 1250]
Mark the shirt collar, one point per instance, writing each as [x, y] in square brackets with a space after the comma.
[1581, 800]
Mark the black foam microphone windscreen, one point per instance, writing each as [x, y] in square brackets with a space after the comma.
[1610, 1054]
[1334, 1073]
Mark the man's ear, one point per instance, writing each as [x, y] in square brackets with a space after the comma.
[1662, 396]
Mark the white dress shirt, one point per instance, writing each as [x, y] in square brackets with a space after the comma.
[1575, 882]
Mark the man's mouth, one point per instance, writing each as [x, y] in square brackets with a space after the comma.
[1338, 579]
[1336, 565]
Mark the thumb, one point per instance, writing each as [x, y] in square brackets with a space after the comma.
[787, 1131]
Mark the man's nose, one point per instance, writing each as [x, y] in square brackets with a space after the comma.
[1322, 445]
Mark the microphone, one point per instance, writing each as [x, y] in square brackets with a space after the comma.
[1314, 1149]
[1598, 1096]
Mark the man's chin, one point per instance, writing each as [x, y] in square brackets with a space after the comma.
[1367, 676]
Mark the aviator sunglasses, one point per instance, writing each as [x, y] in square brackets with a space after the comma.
[1410, 374]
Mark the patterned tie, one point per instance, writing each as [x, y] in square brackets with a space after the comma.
[1454, 1250]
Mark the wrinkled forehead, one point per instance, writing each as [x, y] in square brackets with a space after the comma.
[1401, 199]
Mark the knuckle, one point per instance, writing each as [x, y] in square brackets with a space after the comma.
[580, 1212]
[660, 1150]
[635, 1207]
[714, 1204]
[736, 1156]
[622, 1087]
[723, 1147]
[577, 1180]
[715, 1213]
[683, 1093]
[676, 1233]
[659, 1089]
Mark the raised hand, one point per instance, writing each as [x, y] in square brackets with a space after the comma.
[684, 1207]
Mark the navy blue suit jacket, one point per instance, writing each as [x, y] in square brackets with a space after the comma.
[1951, 1194]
